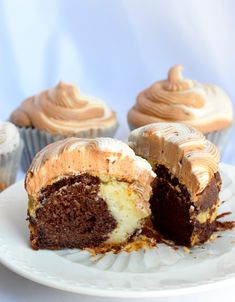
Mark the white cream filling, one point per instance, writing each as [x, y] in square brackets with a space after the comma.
[122, 203]
[203, 217]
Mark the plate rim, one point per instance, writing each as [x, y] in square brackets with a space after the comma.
[126, 294]
[118, 293]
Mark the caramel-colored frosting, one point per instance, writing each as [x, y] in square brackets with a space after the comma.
[182, 149]
[103, 157]
[63, 110]
[205, 107]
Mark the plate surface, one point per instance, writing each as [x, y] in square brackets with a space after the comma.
[162, 271]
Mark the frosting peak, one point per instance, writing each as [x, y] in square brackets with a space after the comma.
[175, 81]
[176, 99]
[66, 95]
[63, 110]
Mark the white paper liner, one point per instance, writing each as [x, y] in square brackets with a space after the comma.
[219, 138]
[35, 140]
[9, 164]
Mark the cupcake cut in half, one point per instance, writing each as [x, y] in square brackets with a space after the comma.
[87, 193]
[60, 112]
[206, 107]
[185, 192]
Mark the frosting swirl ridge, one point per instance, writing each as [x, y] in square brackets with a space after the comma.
[63, 110]
[182, 149]
[103, 157]
[176, 99]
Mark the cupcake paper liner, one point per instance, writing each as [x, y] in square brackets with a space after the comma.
[132, 127]
[219, 138]
[35, 140]
[9, 164]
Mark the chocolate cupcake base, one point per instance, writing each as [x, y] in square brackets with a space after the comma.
[176, 216]
[71, 215]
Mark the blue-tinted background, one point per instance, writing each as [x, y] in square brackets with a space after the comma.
[113, 48]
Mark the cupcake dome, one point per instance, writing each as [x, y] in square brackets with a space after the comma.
[64, 111]
[205, 107]
[182, 149]
[9, 138]
[10, 153]
[58, 113]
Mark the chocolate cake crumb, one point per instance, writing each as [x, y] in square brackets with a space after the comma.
[224, 225]
[72, 215]
[173, 212]
[223, 215]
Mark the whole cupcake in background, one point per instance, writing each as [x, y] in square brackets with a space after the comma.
[11, 147]
[58, 113]
[205, 107]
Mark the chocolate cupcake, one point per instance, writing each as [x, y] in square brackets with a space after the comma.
[10, 153]
[185, 195]
[205, 107]
[58, 113]
[87, 193]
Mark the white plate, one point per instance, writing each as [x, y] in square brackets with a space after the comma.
[162, 271]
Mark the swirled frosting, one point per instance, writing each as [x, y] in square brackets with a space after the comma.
[203, 106]
[63, 110]
[9, 137]
[104, 157]
[182, 149]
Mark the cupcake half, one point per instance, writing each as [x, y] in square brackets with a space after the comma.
[87, 193]
[58, 113]
[186, 189]
[10, 153]
[205, 107]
